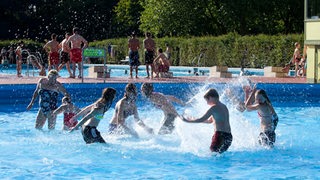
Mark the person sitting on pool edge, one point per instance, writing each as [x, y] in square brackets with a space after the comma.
[268, 116]
[92, 115]
[126, 107]
[69, 110]
[218, 114]
[163, 102]
[160, 63]
[48, 88]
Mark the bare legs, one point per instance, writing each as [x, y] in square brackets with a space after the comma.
[41, 120]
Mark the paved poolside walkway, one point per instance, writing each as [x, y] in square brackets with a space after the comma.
[13, 79]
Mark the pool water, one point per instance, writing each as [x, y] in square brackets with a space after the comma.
[27, 153]
[123, 71]
[116, 70]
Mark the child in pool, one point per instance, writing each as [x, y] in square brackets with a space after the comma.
[126, 107]
[69, 110]
[163, 102]
[92, 115]
[268, 116]
[218, 114]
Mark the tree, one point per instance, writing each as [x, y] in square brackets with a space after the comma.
[127, 17]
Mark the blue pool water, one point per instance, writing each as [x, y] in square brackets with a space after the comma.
[116, 70]
[123, 70]
[26, 153]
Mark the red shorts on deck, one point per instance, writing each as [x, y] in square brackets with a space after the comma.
[54, 58]
[76, 55]
[221, 141]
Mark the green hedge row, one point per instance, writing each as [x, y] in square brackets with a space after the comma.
[29, 44]
[231, 50]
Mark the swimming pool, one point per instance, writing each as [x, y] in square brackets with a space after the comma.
[123, 70]
[27, 153]
[116, 70]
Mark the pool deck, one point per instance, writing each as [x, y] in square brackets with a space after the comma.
[13, 79]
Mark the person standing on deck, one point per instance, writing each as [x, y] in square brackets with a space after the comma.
[52, 48]
[19, 58]
[134, 46]
[149, 46]
[77, 43]
[65, 50]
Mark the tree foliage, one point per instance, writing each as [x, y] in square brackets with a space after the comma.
[101, 19]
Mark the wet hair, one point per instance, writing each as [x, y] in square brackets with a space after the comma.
[53, 72]
[108, 94]
[130, 88]
[147, 89]
[67, 99]
[53, 36]
[263, 94]
[211, 93]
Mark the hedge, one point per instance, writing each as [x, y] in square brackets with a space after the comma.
[231, 49]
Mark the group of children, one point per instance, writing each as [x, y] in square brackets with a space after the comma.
[89, 117]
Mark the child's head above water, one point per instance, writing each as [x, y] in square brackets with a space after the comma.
[211, 93]
[261, 96]
[147, 89]
[66, 99]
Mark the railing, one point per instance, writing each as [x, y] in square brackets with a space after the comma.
[34, 59]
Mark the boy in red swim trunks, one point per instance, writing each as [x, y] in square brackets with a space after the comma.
[69, 110]
[77, 43]
[218, 114]
[52, 48]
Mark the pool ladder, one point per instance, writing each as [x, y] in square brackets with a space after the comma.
[35, 60]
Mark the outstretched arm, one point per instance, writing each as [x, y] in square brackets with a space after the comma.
[88, 116]
[141, 123]
[204, 118]
[174, 99]
[82, 113]
[59, 110]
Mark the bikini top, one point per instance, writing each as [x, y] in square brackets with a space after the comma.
[105, 108]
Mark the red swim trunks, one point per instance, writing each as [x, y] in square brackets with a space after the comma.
[221, 141]
[76, 55]
[67, 120]
[54, 58]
